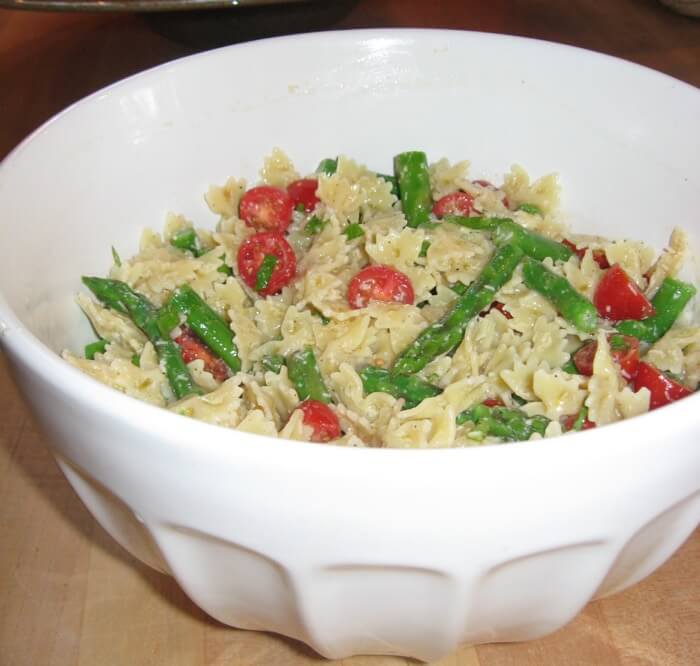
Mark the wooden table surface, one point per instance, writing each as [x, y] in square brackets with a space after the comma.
[68, 593]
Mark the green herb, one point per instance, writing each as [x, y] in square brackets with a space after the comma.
[570, 367]
[532, 209]
[314, 225]
[327, 167]
[188, 241]
[324, 320]
[97, 347]
[353, 231]
[136, 360]
[116, 258]
[424, 248]
[300, 208]
[580, 419]
[262, 279]
[273, 363]
[224, 268]
[617, 342]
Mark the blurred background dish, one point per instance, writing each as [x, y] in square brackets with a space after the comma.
[134, 5]
[210, 23]
[687, 7]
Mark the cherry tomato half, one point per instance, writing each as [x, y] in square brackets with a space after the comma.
[253, 251]
[624, 350]
[322, 419]
[598, 255]
[303, 192]
[379, 283]
[455, 203]
[663, 389]
[266, 208]
[618, 297]
[192, 349]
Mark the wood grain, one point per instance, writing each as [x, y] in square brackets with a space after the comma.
[68, 594]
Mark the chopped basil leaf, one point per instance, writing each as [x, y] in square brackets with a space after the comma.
[532, 209]
[314, 225]
[97, 347]
[265, 271]
[188, 241]
[353, 231]
[273, 363]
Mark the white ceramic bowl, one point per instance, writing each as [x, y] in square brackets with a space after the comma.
[355, 551]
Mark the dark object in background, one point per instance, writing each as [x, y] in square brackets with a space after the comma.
[217, 27]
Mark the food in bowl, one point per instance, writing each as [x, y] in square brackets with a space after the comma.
[421, 309]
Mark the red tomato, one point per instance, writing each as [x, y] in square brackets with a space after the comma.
[304, 192]
[192, 349]
[379, 283]
[663, 389]
[322, 419]
[493, 402]
[617, 297]
[252, 252]
[266, 208]
[570, 420]
[598, 255]
[455, 203]
[627, 356]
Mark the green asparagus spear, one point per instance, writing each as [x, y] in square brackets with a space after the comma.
[207, 325]
[267, 267]
[446, 333]
[97, 347]
[120, 297]
[411, 171]
[409, 387]
[669, 301]
[571, 305]
[504, 230]
[532, 244]
[188, 241]
[511, 425]
[306, 376]
[476, 222]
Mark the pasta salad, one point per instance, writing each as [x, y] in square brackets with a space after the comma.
[418, 309]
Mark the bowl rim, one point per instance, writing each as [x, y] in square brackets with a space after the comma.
[200, 437]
